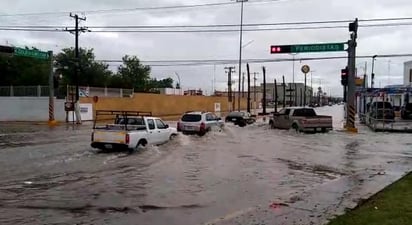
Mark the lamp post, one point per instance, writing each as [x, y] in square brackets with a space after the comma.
[178, 78]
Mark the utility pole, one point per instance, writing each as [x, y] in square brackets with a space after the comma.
[254, 89]
[264, 90]
[243, 84]
[76, 32]
[229, 71]
[248, 87]
[351, 111]
[296, 95]
[284, 91]
[240, 48]
[276, 96]
[373, 74]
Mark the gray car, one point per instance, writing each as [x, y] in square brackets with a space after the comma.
[198, 122]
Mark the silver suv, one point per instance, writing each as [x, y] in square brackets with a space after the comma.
[198, 122]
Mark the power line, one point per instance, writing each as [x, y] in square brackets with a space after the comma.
[212, 30]
[135, 9]
[217, 25]
[206, 62]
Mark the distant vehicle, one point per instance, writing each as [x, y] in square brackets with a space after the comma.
[198, 123]
[240, 118]
[380, 110]
[301, 119]
[129, 130]
[406, 111]
[330, 104]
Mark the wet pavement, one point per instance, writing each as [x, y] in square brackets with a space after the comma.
[251, 175]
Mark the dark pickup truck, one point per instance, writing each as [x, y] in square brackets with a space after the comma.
[301, 119]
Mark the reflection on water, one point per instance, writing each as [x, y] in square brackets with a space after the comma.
[53, 176]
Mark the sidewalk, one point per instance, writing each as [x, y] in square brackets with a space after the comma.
[391, 206]
[319, 205]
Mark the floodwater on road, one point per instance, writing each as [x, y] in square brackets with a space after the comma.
[53, 176]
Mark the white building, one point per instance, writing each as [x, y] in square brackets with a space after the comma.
[407, 73]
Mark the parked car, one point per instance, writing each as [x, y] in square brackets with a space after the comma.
[129, 131]
[240, 118]
[406, 111]
[380, 110]
[198, 122]
[301, 119]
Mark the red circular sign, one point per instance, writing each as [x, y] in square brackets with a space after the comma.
[95, 99]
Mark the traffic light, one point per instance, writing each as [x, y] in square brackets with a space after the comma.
[279, 49]
[6, 49]
[344, 76]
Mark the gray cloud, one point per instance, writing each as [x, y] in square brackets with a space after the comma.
[169, 46]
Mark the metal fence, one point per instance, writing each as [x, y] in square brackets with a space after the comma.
[43, 91]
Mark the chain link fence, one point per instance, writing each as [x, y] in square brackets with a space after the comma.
[61, 92]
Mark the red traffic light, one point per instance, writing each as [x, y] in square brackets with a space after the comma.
[275, 49]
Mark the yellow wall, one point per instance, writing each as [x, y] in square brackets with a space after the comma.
[165, 106]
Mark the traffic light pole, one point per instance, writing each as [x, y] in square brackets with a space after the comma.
[264, 91]
[350, 112]
[52, 121]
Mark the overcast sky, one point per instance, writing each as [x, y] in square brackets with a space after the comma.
[177, 46]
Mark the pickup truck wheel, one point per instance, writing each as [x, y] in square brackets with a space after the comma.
[141, 142]
[295, 127]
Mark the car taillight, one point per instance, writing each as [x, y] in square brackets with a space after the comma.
[178, 126]
[202, 126]
[127, 138]
[304, 121]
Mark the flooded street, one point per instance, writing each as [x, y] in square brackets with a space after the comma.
[53, 176]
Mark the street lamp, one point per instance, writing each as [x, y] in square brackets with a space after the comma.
[178, 78]
[372, 74]
[240, 48]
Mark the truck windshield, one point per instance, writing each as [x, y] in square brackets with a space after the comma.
[191, 118]
[304, 112]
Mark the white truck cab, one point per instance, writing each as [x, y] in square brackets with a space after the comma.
[129, 130]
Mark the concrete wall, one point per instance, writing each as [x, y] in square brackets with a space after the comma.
[165, 106]
[29, 109]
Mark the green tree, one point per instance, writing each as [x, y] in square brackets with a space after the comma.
[91, 73]
[18, 70]
[134, 74]
[164, 83]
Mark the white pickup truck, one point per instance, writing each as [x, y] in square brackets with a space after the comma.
[129, 130]
[301, 119]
